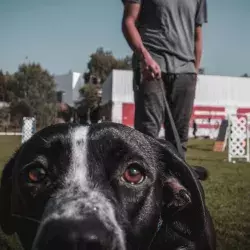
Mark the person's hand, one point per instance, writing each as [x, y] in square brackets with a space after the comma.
[150, 69]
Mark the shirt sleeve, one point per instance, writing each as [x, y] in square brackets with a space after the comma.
[201, 13]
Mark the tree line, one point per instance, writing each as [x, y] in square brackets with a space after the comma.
[31, 90]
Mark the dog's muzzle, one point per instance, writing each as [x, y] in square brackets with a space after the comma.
[76, 235]
[79, 223]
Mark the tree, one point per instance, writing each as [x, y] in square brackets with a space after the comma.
[124, 63]
[202, 71]
[245, 75]
[64, 112]
[90, 101]
[34, 93]
[102, 62]
[90, 97]
[2, 86]
[100, 65]
[4, 118]
[5, 88]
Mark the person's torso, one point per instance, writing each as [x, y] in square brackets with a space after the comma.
[167, 28]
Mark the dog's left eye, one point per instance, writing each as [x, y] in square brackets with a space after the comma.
[133, 175]
[36, 174]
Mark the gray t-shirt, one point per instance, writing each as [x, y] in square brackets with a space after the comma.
[167, 29]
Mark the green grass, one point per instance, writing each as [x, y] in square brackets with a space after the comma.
[8, 144]
[227, 193]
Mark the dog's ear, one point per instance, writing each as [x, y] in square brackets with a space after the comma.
[184, 212]
[6, 221]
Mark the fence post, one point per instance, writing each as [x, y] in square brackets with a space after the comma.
[28, 128]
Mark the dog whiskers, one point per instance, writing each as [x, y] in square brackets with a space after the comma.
[44, 140]
[26, 218]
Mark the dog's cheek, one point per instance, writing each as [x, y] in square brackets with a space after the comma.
[146, 215]
[6, 222]
[6, 189]
[27, 205]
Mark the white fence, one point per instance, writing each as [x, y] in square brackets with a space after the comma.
[28, 129]
[238, 138]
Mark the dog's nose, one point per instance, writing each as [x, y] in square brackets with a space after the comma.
[78, 235]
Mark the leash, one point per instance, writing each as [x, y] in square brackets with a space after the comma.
[168, 114]
[176, 136]
[169, 117]
[178, 145]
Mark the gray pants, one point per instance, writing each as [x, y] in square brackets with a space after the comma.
[150, 111]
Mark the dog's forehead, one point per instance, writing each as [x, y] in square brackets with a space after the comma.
[98, 140]
[118, 135]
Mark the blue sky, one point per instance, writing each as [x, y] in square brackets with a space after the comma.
[61, 34]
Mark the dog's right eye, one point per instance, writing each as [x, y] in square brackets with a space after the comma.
[36, 174]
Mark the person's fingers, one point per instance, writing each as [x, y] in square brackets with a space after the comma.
[151, 71]
[148, 75]
[153, 68]
[158, 76]
[157, 71]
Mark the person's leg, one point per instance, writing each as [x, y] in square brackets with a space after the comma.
[180, 91]
[149, 106]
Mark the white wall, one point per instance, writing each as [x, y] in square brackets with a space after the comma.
[228, 92]
[223, 91]
[122, 90]
[64, 83]
[107, 90]
[77, 84]
[231, 92]
[70, 83]
[118, 87]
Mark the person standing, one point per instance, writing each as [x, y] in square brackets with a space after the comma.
[194, 128]
[166, 38]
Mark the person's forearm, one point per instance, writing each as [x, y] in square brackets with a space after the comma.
[198, 47]
[198, 54]
[133, 37]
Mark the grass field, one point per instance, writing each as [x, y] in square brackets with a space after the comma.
[8, 144]
[227, 193]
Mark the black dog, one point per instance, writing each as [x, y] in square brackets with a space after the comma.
[105, 186]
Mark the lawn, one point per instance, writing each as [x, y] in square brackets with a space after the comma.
[8, 144]
[227, 192]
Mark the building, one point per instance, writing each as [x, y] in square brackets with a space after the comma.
[68, 86]
[216, 97]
